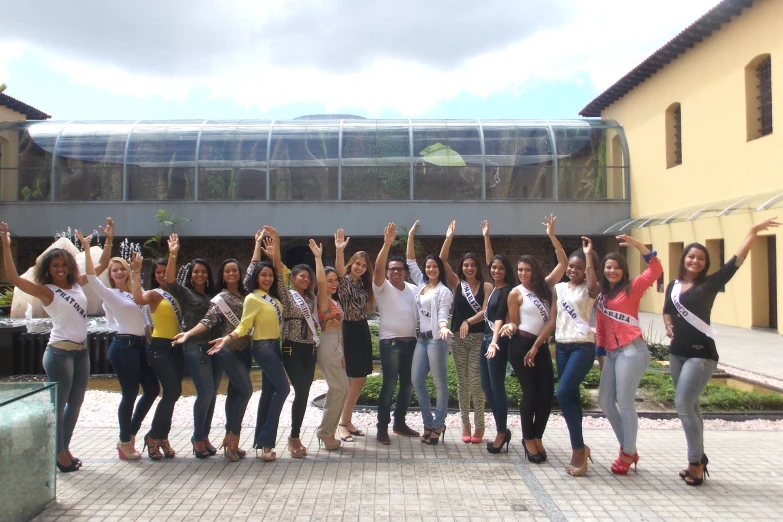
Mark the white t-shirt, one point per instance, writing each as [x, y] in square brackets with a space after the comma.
[425, 316]
[397, 309]
[68, 311]
[122, 312]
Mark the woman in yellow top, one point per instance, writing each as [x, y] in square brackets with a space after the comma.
[263, 312]
[167, 361]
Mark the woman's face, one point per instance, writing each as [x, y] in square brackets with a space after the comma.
[524, 272]
[301, 281]
[59, 269]
[265, 279]
[469, 268]
[612, 271]
[432, 270]
[199, 274]
[160, 275]
[695, 261]
[359, 267]
[498, 271]
[576, 270]
[118, 273]
[231, 273]
[332, 283]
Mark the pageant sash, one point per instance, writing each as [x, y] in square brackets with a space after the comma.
[227, 312]
[174, 304]
[581, 325]
[468, 293]
[486, 316]
[686, 314]
[302, 304]
[129, 297]
[542, 311]
[70, 300]
[270, 300]
[615, 315]
[337, 305]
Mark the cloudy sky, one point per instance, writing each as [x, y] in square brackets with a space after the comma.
[277, 59]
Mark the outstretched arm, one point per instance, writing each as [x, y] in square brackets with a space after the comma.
[488, 253]
[103, 262]
[340, 242]
[320, 276]
[29, 287]
[410, 247]
[171, 267]
[451, 277]
[593, 288]
[89, 268]
[278, 260]
[379, 274]
[744, 248]
[562, 260]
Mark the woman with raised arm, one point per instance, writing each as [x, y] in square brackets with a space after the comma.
[127, 352]
[528, 312]
[433, 303]
[356, 298]
[494, 349]
[693, 356]
[471, 293]
[166, 361]
[58, 284]
[617, 330]
[262, 313]
[194, 298]
[234, 358]
[330, 350]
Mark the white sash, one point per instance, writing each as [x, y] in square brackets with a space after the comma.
[686, 314]
[268, 299]
[581, 325]
[174, 304]
[486, 316]
[615, 315]
[70, 300]
[302, 304]
[129, 297]
[468, 293]
[227, 312]
[339, 308]
[542, 311]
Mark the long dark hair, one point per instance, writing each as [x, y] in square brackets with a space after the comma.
[162, 261]
[310, 290]
[703, 273]
[41, 273]
[252, 284]
[221, 285]
[330, 270]
[540, 288]
[511, 277]
[441, 269]
[624, 285]
[479, 271]
[209, 288]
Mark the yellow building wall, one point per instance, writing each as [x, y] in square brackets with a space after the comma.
[9, 147]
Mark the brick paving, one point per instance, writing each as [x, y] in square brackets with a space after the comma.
[410, 481]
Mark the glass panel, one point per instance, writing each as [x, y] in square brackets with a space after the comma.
[446, 161]
[36, 147]
[161, 161]
[581, 159]
[89, 161]
[232, 162]
[376, 161]
[304, 162]
[519, 161]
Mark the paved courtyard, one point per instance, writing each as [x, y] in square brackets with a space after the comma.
[411, 481]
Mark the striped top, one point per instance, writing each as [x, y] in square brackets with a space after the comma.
[353, 298]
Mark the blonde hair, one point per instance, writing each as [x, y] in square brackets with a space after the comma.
[127, 267]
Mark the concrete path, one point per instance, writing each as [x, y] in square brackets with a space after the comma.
[756, 351]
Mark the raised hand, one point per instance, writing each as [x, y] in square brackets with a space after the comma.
[85, 241]
[259, 236]
[268, 246]
[451, 229]
[316, 249]
[135, 263]
[485, 228]
[173, 244]
[109, 230]
[587, 246]
[767, 223]
[626, 240]
[271, 232]
[340, 241]
[389, 234]
[6, 234]
[413, 228]
[549, 223]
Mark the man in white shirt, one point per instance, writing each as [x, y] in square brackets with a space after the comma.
[397, 331]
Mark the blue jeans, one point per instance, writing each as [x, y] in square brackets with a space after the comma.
[236, 366]
[70, 369]
[493, 380]
[623, 370]
[690, 376]
[206, 378]
[129, 360]
[431, 356]
[574, 361]
[396, 362]
[168, 363]
[274, 390]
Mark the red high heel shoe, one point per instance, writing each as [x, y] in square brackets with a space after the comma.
[621, 465]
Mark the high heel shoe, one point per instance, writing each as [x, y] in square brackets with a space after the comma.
[343, 428]
[268, 456]
[698, 481]
[506, 441]
[126, 451]
[230, 445]
[153, 447]
[535, 458]
[426, 434]
[621, 465]
[477, 436]
[166, 449]
[67, 469]
[212, 450]
[581, 470]
[200, 454]
[297, 452]
[466, 438]
[329, 445]
[703, 460]
[434, 437]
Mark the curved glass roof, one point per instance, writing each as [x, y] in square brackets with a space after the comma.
[315, 160]
[754, 203]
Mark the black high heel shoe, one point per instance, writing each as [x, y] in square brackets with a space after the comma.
[68, 469]
[702, 460]
[200, 454]
[698, 481]
[534, 458]
[506, 441]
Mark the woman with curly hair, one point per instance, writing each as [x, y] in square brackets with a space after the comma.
[58, 284]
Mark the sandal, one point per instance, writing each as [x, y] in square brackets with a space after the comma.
[343, 428]
[296, 452]
[356, 433]
[426, 435]
[434, 437]
[268, 456]
[153, 448]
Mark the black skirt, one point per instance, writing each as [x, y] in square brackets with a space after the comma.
[357, 347]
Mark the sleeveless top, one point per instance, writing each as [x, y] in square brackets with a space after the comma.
[165, 321]
[530, 319]
[331, 320]
[578, 298]
[463, 310]
[68, 311]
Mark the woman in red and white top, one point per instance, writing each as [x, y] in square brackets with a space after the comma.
[627, 356]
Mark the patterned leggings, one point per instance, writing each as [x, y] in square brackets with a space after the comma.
[467, 354]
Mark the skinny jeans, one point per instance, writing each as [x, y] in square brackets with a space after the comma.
[206, 374]
[493, 380]
[70, 369]
[623, 370]
[431, 356]
[299, 362]
[329, 358]
[274, 390]
[537, 383]
[168, 363]
[127, 355]
[690, 376]
[396, 364]
[574, 361]
[236, 365]
[467, 362]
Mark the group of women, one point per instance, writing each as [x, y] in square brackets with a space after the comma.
[216, 328]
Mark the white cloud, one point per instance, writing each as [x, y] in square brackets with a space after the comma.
[404, 56]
